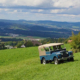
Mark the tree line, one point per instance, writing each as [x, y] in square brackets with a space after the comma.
[17, 44]
[75, 43]
[54, 40]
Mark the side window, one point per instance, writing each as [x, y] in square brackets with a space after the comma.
[46, 48]
[62, 46]
[54, 48]
[51, 48]
[59, 47]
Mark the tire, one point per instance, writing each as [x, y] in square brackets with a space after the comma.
[43, 61]
[68, 59]
[72, 59]
[62, 61]
[56, 61]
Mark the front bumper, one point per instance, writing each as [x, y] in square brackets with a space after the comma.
[64, 58]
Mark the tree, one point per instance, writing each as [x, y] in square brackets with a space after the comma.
[2, 46]
[19, 45]
[28, 44]
[75, 44]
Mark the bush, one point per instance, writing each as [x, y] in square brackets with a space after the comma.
[75, 44]
[75, 50]
[28, 44]
[19, 45]
[2, 46]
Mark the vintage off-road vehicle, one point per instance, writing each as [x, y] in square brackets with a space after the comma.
[54, 52]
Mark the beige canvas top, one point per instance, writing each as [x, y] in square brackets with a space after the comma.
[51, 44]
[42, 52]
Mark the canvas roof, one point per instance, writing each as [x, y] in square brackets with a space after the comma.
[51, 44]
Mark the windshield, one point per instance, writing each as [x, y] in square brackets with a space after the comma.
[54, 48]
[58, 47]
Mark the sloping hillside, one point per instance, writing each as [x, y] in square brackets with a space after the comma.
[44, 28]
[24, 64]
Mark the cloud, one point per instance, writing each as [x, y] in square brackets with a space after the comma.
[57, 10]
[43, 3]
[66, 3]
[43, 8]
[22, 2]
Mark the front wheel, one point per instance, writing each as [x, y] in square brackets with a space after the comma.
[72, 59]
[43, 61]
[56, 61]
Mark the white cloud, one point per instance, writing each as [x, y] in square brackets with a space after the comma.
[67, 15]
[47, 3]
[6, 9]
[66, 3]
[0, 10]
[22, 2]
[3, 9]
[11, 11]
[15, 11]
[2, 1]
[40, 10]
[57, 10]
[42, 3]
[65, 8]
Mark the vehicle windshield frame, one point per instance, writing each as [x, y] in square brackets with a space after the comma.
[56, 48]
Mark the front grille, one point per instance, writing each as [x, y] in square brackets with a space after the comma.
[64, 54]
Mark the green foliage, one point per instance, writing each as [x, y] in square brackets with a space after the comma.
[75, 44]
[2, 46]
[13, 43]
[36, 44]
[28, 44]
[19, 45]
[68, 47]
[53, 40]
[24, 64]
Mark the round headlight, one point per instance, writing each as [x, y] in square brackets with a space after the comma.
[66, 52]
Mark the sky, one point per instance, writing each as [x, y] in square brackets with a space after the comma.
[55, 10]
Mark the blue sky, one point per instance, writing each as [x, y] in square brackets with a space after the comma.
[56, 10]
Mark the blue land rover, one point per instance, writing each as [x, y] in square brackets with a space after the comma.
[54, 52]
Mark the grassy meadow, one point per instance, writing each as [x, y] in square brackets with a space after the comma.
[24, 64]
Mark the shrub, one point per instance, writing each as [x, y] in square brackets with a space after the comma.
[75, 44]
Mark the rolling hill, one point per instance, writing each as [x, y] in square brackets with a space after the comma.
[45, 28]
[24, 64]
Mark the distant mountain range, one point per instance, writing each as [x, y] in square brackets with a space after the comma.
[43, 28]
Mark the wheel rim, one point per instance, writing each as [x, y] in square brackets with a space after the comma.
[44, 62]
[56, 61]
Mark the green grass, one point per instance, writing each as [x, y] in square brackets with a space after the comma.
[24, 64]
[68, 47]
[22, 37]
[14, 55]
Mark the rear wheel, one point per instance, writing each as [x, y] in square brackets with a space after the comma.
[56, 61]
[43, 61]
